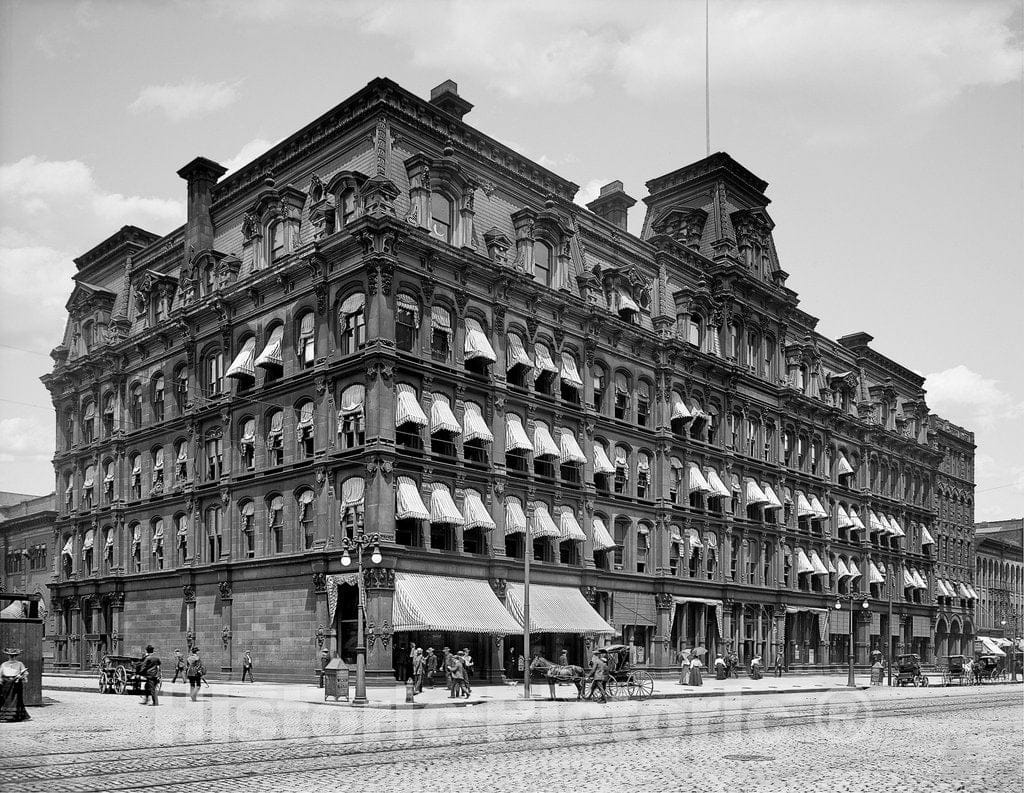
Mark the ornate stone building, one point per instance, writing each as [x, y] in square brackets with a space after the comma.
[26, 542]
[999, 577]
[393, 323]
[955, 593]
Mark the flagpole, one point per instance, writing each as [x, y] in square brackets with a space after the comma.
[707, 74]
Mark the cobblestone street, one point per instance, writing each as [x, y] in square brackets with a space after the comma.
[921, 739]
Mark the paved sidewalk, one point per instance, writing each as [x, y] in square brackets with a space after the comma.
[394, 697]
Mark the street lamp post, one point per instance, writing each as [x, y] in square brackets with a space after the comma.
[1011, 619]
[853, 597]
[357, 544]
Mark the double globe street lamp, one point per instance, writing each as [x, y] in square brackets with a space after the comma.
[358, 543]
[855, 597]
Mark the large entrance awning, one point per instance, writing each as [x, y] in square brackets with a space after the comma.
[990, 646]
[556, 609]
[454, 605]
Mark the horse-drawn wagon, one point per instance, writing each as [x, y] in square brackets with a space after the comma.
[119, 673]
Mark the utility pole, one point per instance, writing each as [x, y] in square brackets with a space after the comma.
[527, 553]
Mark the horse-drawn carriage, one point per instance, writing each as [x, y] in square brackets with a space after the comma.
[623, 678]
[987, 667]
[909, 671]
[119, 673]
[956, 669]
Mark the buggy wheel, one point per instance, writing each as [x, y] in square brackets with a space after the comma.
[103, 683]
[120, 680]
[643, 685]
[612, 688]
[924, 681]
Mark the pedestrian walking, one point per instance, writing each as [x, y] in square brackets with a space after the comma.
[179, 666]
[684, 669]
[431, 667]
[721, 670]
[247, 666]
[778, 663]
[468, 666]
[755, 668]
[695, 676]
[521, 666]
[446, 662]
[419, 670]
[149, 670]
[325, 658]
[13, 674]
[196, 671]
[460, 688]
[876, 673]
[598, 674]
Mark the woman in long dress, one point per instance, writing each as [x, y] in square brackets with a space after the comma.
[13, 674]
[684, 669]
[695, 676]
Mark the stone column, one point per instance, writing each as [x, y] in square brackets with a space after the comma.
[862, 646]
[740, 634]
[495, 663]
[662, 640]
[379, 632]
[74, 640]
[227, 626]
[727, 625]
[188, 593]
[117, 623]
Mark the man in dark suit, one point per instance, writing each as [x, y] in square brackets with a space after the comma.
[149, 670]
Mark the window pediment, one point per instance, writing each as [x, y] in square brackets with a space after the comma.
[683, 224]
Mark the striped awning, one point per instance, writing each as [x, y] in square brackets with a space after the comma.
[842, 569]
[556, 609]
[440, 319]
[570, 373]
[884, 520]
[407, 407]
[991, 648]
[908, 580]
[679, 409]
[90, 537]
[854, 570]
[963, 592]
[475, 512]
[353, 490]
[569, 526]
[857, 522]
[89, 478]
[843, 467]
[352, 304]
[602, 465]
[803, 506]
[874, 522]
[603, 539]
[832, 569]
[755, 495]
[477, 345]
[515, 435]
[817, 564]
[244, 363]
[474, 428]
[844, 520]
[896, 527]
[541, 523]
[515, 518]
[874, 574]
[442, 603]
[803, 564]
[919, 581]
[542, 359]
[625, 302]
[441, 417]
[941, 589]
[543, 444]
[69, 547]
[773, 499]
[515, 353]
[570, 448]
[819, 510]
[271, 355]
[926, 537]
[442, 506]
[973, 591]
[698, 484]
[718, 487]
[409, 504]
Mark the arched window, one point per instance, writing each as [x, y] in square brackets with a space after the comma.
[89, 422]
[108, 414]
[620, 531]
[621, 464]
[545, 370]
[600, 374]
[214, 458]
[621, 395]
[135, 405]
[136, 476]
[643, 403]
[214, 373]
[135, 531]
[158, 469]
[88, 486]
[158, 397]
[157, 543]
[108, 481]
[710, 554]
[351, 426]
[306, 346]
[753, 437]
[407, 322]
[180, 461]
[181, 537]
[753, 361]
[476, 435]
[732, 347]
[247, 443]
[643, 546]
[570, 382]
[695, 331]
[181, 387]
[768, 352]
[276, 241]
[352, 322]
[214, 534]
[247, 513]
[643, 475]
[275, 437]
[275, 523]
[304, 512]
[440, 334]
[543, 262]
[441, 216]
[352, 491]
[304, 429]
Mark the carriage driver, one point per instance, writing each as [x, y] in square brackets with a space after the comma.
[599, 672]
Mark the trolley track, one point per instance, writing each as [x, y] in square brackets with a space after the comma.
[138, 766]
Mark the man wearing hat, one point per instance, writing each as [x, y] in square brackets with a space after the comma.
[599, 672]
[13, 674]
[419, 670]
[149, 669]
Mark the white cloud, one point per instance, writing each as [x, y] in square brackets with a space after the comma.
[589, 191]
[25, 439]
[35, 282]
[34, 185]
[965, 396]
[249, 152]
[186, 100]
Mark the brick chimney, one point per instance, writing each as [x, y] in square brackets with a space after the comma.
[201, 174]
[612, 204]
[446, 97]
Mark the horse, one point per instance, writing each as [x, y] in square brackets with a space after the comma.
[558, 673]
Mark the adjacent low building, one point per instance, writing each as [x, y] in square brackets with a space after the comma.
[391, 323]
[1000, 578]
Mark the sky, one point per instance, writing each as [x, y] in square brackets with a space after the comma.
[890, 134]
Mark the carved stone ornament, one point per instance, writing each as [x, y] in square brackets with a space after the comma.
[590, 593]
[663, 600]
[379, 578]
[499, 586]
[188, 593]
[320, 583]
[225, 636]
[224, 587]
[321, 635]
